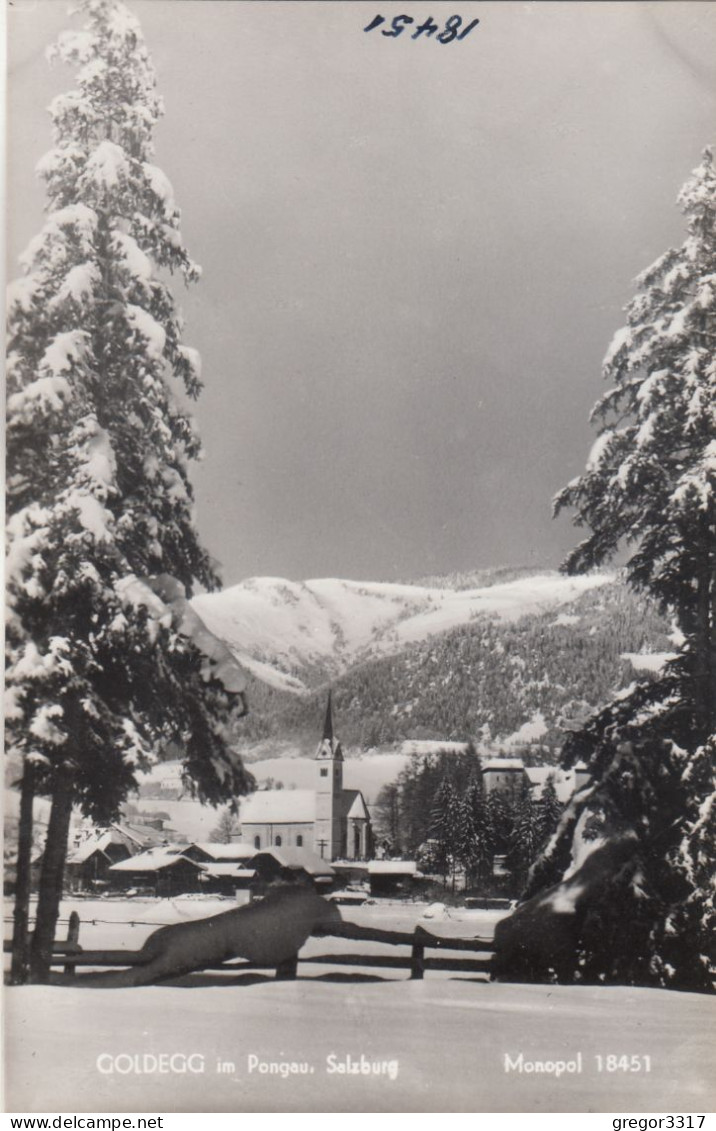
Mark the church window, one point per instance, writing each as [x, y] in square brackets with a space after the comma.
[278, 842]
[257, 842]
[299, 841]
[324, 772]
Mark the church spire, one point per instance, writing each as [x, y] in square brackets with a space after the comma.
[328, 724]
[329, 746]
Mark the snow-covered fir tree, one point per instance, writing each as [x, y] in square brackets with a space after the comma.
[649, 484]
[649, 480]
[500, 815]
[524, 840]
[467, 828]
[107, 662]
[476, 847]
[549, 811]
[446, 827]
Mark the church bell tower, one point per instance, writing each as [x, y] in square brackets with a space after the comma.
[328, 834]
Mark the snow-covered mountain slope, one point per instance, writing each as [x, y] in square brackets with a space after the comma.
[281, 631]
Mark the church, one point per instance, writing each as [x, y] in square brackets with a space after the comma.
[330, 821]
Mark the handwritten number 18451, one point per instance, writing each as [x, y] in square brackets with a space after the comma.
[452, 30]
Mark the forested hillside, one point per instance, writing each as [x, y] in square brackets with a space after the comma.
[484, 680]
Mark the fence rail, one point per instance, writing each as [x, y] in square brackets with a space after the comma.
[70, 954]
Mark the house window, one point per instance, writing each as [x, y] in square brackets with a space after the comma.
[257, 842]
[278, 842]
[324, 772]
[299, 841]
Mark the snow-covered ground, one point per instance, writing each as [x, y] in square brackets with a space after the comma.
[274, 626]
[444, 1040]
[648, 661]
[124, 924]
[441, 1043]
[531, 731]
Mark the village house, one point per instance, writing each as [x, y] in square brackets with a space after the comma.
[225, 868]
[162, 871]
[509, 776]
[212, 852]
[171, 869]
[275, 864]
[505, 776]
[392, 877]
[96, 849]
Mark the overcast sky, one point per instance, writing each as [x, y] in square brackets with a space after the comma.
[415, 256]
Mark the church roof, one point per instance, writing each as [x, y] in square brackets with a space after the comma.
[353, 804]
[291, 807]
[279, 807]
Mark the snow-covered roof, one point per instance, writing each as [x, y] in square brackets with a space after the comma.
[234, 871]
[392, 867]
[99, 840]
[297, 858]
[565, 781]
[143, 835]
[353, 805]
[88, 847]
[153, 860]
[226, 852]
[503, 764]
[279, 806]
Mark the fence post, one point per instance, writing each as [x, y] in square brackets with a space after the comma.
[417, 961]
[73, 935]
[286, 971]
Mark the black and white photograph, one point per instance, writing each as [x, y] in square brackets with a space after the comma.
[360, 707]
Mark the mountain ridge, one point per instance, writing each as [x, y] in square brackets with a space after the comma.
[287, 634]
[505, 666]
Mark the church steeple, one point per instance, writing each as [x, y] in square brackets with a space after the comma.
[329, 746]
[328, 828]
[328, 725]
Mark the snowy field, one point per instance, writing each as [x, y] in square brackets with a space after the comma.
[255, 1044]
[124, 924]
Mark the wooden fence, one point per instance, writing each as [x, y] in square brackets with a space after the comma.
[70, 954]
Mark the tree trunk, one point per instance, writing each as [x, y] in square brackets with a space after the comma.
[21, 914]
[53, 868]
